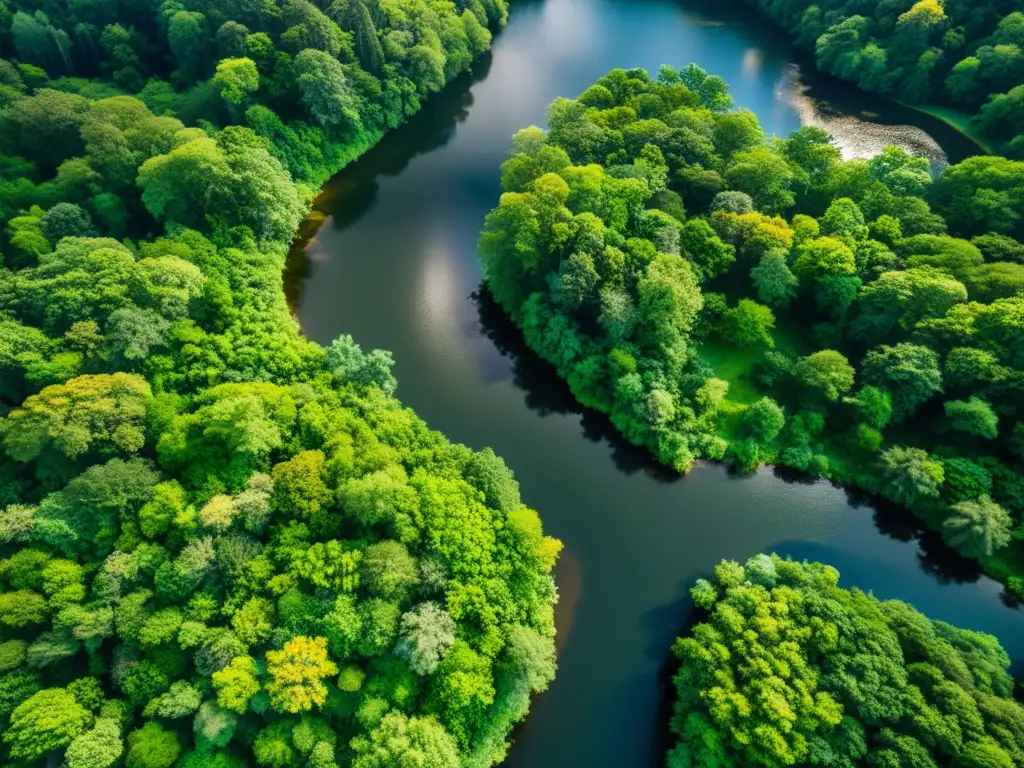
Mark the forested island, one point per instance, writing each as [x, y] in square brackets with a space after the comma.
[788, 668]
[726, 296]
[221, 544]
[961, 54]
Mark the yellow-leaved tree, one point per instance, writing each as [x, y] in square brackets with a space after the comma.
[296, 674]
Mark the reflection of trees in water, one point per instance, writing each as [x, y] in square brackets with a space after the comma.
[353, 192]
[547, 394]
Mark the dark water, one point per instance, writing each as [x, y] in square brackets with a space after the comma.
[393, 263]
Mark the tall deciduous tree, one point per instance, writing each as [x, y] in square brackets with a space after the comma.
[399, 740]
[973, 416]
[910, 372]
[46, 721]
[774, 282]
[296, 674]
[977, 527]
[326, 92]
[827, 373]
[102, 415]
[910, 476]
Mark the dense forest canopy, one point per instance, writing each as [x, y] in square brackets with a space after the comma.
[788, 668]
[963, 53]
[220, 544]
[96, 94]
[725, 296]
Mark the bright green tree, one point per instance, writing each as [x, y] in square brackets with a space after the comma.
[749, 324]
[46, 721]
[401, 740]
[827, 373]
[973, 417]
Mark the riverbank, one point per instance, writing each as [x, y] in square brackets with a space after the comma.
[955, 118]
[840, 466]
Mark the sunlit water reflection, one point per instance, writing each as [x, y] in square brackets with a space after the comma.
[857, 135]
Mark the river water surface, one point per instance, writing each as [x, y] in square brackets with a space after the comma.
[391, 259]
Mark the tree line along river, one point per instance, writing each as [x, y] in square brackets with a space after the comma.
[390, 257]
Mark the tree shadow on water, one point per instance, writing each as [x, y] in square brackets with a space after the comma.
[894, 521]
[791, 476]
[663, 624]
[897, 522]
[934, 555]
[649, 739]
[944, 563]
[548, 395]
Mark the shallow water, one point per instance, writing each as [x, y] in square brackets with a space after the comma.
[392, 260]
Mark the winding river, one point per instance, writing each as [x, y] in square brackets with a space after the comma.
[390, 257]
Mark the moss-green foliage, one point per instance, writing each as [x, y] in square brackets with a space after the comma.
[785, 668]
[722, 296]
[958, 53]
[221, 544]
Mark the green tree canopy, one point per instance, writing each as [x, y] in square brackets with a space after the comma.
[776, 675]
